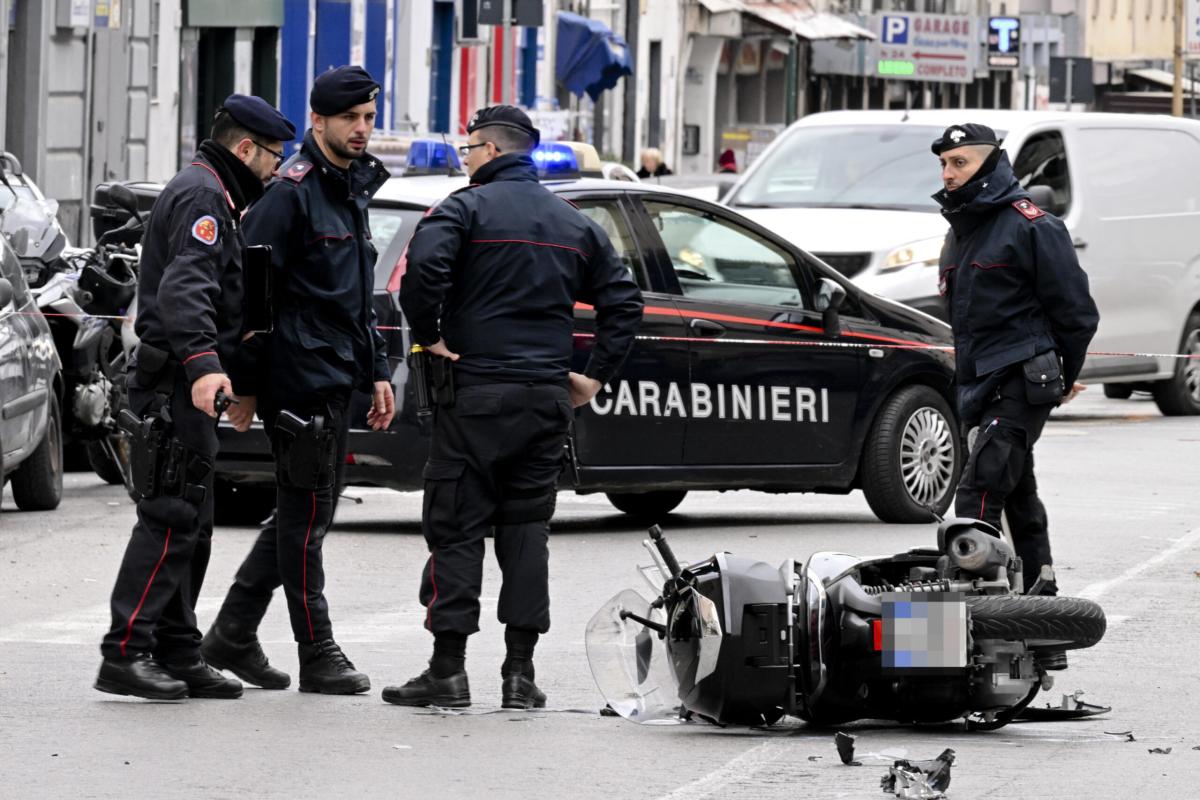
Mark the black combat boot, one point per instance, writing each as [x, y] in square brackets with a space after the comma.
[139, 676]
[203, 681]
[227, 646]
[324, 669]
[517, 689]
[444, 683]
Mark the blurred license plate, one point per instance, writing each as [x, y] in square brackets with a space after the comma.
[923, 632]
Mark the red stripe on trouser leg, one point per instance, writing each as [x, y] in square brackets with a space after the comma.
[432, 600]
[304, 567]
[146, 591]
[982, 504]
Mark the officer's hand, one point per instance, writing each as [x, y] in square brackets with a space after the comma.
[439, 348]
[204, 391]
[1075, 390]
[383, 406]
[582, 388]
[242, 414]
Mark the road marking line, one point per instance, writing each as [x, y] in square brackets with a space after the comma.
[736, 770]
[1097, 590]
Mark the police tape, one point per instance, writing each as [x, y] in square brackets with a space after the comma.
[721, 340]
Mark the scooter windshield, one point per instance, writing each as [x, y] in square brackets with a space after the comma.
[629, 661]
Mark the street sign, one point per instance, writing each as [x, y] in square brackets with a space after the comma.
[924, 47]
[1004, 42]
[1082, 90]
[524, 13]
[1191, 27]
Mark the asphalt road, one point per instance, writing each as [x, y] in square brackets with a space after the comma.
[1120, 484]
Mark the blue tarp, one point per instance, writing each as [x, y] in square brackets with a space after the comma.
[590, 58]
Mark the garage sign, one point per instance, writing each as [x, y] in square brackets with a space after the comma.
[924, 47]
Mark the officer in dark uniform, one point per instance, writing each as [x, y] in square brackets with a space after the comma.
[493, 275]
[1022, 318]
[189, 322]
[324, 345]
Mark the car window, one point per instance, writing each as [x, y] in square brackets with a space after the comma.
[1157, 176]
[1043, 162]
[714, 259]
[608, 215]
[391, 228]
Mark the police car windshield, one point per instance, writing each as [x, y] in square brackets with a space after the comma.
[391, 228]
[842, 166]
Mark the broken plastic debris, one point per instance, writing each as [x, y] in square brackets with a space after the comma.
[845, 748]
[1164, 751]
[919, 780]
[1127, 734]
[402, 747]
[1071, 707]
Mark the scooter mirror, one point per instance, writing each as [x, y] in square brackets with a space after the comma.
[120, 194]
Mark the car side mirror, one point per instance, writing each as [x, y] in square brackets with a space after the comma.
[830, 296]
[6, 293]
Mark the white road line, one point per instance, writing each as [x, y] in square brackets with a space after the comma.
[1097, 590]
[736, 770]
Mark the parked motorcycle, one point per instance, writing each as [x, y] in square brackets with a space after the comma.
[928, 635]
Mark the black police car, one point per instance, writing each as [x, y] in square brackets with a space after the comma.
[30, 392]
[737, 381]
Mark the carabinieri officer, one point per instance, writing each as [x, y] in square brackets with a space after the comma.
[189, 322]
[324, 345]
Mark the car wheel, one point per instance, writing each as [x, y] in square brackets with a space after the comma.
[912, 457]
[37, 483]
[242, 503]
[647, 506]
[1180, 395]
[1118, 391]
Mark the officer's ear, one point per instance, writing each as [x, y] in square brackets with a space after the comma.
[244, 149]
[318, 122]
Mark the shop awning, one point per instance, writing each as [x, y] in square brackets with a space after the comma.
[590, 58]
[1162, 78]
[796, 17]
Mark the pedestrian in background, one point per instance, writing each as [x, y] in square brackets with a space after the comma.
[493, 276]
[324, 345]
[727, 163]
[652, 164]
[189, 323]
[1022, 317]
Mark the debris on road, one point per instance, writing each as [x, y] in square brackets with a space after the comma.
[1163, 751]
[1127, 734]
[845, 748]
[1071, 707]
[919, 780]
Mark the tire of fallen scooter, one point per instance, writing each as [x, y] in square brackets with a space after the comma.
[1059, 623]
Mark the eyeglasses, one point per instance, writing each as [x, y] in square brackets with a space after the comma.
[279, 157]
[465, 149]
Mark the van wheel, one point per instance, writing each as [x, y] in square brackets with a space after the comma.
[1118, 391]
[37, 483]
[1180, 395]
[912, 457]
[648, 506]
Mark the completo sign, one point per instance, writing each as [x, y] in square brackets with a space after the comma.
[924, 47]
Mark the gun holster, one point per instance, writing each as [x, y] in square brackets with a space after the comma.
[441, 381]
[160, 464]
[305, 451]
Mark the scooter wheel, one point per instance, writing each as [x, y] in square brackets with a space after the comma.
[1060, 623]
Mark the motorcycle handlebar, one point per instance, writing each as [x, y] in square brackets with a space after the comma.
[664, 550]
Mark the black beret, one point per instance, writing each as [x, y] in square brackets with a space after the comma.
[507, 116]
[336, 90]
[961, 135]
[258, 116]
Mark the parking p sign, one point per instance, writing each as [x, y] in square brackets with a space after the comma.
[895, 30]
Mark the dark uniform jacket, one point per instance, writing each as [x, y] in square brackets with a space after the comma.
[314, 217]
[190, 276]
[502, 263]
[1012, 283]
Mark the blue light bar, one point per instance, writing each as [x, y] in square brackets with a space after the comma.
[555, 160]
[431, 157]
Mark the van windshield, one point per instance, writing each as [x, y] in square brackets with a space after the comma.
[844, 166]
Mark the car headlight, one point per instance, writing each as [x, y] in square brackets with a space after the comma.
[925, 253]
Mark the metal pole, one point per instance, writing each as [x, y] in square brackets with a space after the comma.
[1177, 92]
[506, 93]
[1070, 80]
[1192, 85]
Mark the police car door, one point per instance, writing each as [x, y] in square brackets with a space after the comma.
[765, 389]
[625, 425]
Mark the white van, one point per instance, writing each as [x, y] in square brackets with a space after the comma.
[854, 188]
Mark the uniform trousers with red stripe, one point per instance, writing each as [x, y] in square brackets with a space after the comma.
[999, 477]
[287, 552]
[154, 598]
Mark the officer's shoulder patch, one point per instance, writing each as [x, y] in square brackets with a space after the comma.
[297, 170]
[1028, 209]
[205, 229]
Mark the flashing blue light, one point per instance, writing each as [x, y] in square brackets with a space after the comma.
[431, 157]
[555, 160]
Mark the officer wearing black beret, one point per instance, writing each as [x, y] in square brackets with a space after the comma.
[1022, 317]
[493, 276]
[324, 346]
[189, 323]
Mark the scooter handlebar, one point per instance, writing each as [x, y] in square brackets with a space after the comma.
[664, 550]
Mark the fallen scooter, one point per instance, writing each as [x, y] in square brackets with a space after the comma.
[929, 635]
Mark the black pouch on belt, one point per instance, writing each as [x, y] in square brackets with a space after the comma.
[1043, 379]
[155, 368]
